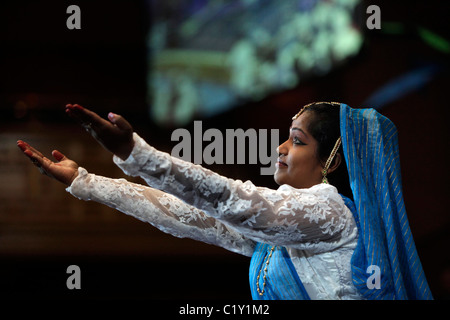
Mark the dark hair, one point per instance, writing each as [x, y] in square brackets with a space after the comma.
[325, 128]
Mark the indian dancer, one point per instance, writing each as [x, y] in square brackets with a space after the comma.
[336, 220]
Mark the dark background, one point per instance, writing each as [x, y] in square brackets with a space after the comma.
[103, 66]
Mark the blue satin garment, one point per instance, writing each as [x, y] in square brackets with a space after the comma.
[371, 152]
[282, 281]
[385, 241]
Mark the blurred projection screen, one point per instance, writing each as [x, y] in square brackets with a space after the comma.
[206, 56]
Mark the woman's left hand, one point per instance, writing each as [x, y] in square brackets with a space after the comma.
[64, 170]
[114, 134]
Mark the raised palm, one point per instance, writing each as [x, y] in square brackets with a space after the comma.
[64, 170]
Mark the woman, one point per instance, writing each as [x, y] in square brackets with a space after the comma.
[306, 240]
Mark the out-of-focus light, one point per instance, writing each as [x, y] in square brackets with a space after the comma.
[207, 56]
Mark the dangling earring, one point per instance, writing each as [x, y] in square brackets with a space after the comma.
[324, 176]
[330, 159]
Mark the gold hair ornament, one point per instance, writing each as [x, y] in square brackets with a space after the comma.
[310, 104]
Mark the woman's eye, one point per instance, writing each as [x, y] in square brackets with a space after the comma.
[297, 141]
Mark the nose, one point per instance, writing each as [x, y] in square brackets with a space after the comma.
[282, 148]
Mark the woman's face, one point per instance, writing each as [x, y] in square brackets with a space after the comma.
[298, 164]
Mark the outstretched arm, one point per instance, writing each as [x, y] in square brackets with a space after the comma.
[162, 210]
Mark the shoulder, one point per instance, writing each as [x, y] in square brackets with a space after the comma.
[319, 191]
[315, 195]
[318, 188]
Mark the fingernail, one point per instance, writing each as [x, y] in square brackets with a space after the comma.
[111, 116]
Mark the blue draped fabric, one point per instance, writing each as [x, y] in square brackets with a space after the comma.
[370, 147]
[282, 281]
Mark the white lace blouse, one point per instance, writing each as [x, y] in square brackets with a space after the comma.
[314, 224]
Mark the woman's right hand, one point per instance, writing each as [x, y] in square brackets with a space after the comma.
[114, 134]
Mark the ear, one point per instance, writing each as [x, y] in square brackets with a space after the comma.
[336, 162]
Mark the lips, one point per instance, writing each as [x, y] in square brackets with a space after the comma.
[281, 163]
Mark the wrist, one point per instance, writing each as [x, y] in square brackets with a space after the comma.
[125, 153]
[72, 178]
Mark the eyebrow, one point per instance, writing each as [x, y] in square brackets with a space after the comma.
[298, 129]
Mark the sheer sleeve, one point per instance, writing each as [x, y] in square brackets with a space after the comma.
[313, 218]
[162, 210]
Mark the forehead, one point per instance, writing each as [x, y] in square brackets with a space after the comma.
[302, 121]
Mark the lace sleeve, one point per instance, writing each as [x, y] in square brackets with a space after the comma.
[162, 210]
[314, 218]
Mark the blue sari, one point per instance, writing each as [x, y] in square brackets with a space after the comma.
[282, 281]
[385, 241]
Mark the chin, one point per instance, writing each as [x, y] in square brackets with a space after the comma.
[278, 179]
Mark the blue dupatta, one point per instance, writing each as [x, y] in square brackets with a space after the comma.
[370, 147]
[385, 241]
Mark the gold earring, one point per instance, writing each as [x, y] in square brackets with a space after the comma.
[324, 176]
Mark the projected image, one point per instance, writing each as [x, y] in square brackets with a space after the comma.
[207, 56]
